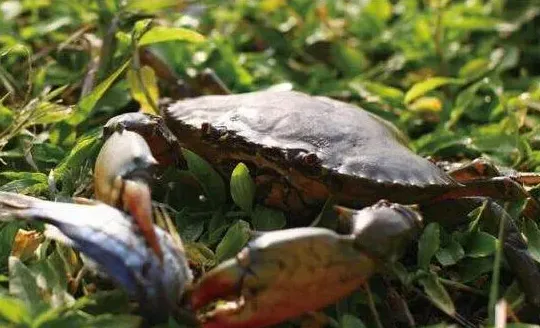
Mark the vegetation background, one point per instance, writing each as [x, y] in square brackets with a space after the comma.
[461, 78]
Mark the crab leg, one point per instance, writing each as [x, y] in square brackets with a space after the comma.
[283, 274]
[483, 178]
[503, 188]
[482, 169]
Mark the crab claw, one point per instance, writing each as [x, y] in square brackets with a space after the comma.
[381, 230]
[121, 178]
[283, 274]
[106, 236]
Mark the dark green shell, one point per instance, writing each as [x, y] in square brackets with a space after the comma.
[346, 139]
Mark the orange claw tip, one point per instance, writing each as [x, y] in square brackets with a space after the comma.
[137, 200]
[221, 282]
[344, 211]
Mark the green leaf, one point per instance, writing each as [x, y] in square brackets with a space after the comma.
[426, 105]
[471, 23]
[532, 233]
[421, 88]
[437, 294]
[144, 89]
[265, 219]
[450, 254]
[480, 244]
[428, 244]
[474, 68]
[472, 268]
[388, 93]
[217, 227]
[85, 149]
[104, 301]
[47, 113]
[350, 60]
[164, 34]
[85, 105]
[7, 236]
[350, 321]
[242, 188]
[200, 254]
[382, 9]
[236, 237]
[150, 6]
[24, 182]
[23, 285]
[189, 229]
[13, 310]
[45, 27]
[209, 179]
[6, 117]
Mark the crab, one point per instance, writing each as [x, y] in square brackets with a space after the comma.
[270, 270]
[305, 149]
[302, 150]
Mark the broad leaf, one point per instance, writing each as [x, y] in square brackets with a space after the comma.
[24, 182]
[144, 89]
[210, 180]
[480, 244]
[421, 88]
[164, 34]
[233, 241]
[85, 105]
[265, 219]
[23, 285]
[242, 188]
[428, 244]
[85, 149]
[438, 294]
[350, 321]
[13, 310]
[450, 254]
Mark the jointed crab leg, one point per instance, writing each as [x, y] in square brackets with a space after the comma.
[479, 169]
[283, 274]
[502, 188]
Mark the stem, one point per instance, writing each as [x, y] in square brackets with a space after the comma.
[494, 289]
[460, 286]
[438, 37]
[372, 308]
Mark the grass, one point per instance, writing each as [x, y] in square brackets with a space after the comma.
[460, 78]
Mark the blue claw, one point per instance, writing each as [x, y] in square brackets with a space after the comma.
[110, 238]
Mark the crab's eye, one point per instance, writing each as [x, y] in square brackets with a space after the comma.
[310, 159]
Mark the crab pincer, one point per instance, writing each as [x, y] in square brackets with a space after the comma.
[121, 179]
[106, 236]
[283, 274]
